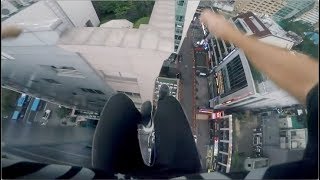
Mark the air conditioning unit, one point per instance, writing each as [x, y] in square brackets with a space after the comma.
[7, 9]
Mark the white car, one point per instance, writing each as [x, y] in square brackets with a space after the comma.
[46, 115]
[195, 138]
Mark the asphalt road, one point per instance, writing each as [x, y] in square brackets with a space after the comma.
[188, 97]
[186, 70]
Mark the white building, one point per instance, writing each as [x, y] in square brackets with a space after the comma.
[264, 28]
[126, 60]
[311, 16]
[239, 83]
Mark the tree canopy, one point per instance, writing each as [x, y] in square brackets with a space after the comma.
[8, 101]
[307, 46]
[130, 10]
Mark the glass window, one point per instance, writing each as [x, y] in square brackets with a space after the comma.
[181, 2]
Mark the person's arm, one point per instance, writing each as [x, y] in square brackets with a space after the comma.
[11, 31]
[295, 73]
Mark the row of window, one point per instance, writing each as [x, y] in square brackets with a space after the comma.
[177, 37]
[180, 18]
[131, 94]
[52, 81]
[93, 91]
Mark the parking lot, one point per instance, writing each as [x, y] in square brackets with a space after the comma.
[31, 110]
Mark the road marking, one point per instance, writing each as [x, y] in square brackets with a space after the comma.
[53, 149]
[45, 106]
[28, 108]
[62, 162]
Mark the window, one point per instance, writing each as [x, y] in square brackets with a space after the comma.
[256, 23]
[179, 18]
[5, 56]
[180, 2]
[52, 81]
[240, 26]
[131, 94]
[93, 91]
[65, 71]
[89, 24]
[118, 78]
[234, 77]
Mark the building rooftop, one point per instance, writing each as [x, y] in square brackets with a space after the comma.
[262, 25]
[157, 35]
[117, 23]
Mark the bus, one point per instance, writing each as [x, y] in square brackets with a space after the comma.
[35, 104]
[22, 99]
[16, 115]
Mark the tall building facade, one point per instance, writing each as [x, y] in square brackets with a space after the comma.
[269, 7]
[123, 60]
[239, 84]
[184, 11]
[311, 16]
[33, 64]
[293, 8]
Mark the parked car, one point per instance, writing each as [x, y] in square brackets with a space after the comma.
[195, 138]
[46, 114]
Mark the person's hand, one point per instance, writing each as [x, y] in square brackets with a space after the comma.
[10, 31]
[218, 25]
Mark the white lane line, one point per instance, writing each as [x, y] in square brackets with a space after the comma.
[53, 149]
[45, 106]
[51, 159]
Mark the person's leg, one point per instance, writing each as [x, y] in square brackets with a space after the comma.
[115, 145]
[176, 152]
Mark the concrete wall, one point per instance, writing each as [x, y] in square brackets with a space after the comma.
[79, 12]
[142, 64]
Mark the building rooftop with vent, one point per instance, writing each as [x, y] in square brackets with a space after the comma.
[264, 28]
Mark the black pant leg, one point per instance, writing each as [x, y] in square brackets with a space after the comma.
[115, 145]
[175, 146]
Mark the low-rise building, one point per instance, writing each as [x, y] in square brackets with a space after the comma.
[293, 138]
[290, 122]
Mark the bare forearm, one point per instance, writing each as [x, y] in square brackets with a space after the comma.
[295, 73]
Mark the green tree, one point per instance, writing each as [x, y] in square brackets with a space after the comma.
[8, 101]
[307, 46]
[130, 10]
[63, 112]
